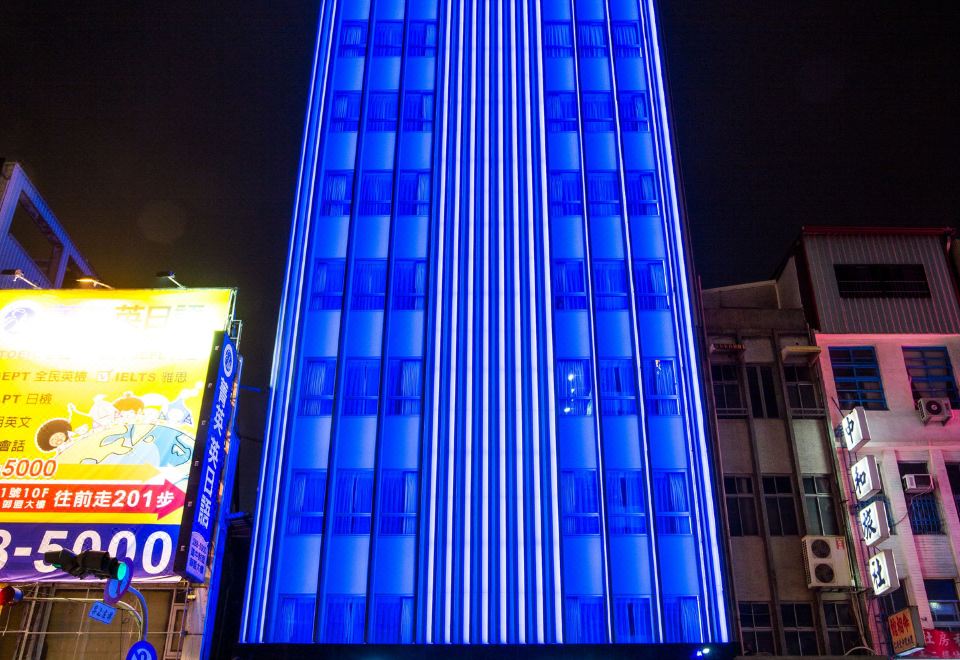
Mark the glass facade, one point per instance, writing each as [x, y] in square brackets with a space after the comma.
[486, 418]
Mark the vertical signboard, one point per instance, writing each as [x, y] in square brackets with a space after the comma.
[883, 573]
[865, 478]
[873, 523]
[855, 431]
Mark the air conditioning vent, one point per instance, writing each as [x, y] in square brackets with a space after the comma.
[826, 562]
[824, 573]
[934, 410]
[820, 549]
[917, 483]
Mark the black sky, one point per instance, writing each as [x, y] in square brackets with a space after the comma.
[167, 134]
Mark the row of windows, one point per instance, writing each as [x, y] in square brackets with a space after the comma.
[803, 396]
[881, 281]
[591, 39]
[609, 284]
[382, 112]
[388, 39]
[565, 193]
[376, 193]
[856, 374]
[362, 385]
[799, 629]
[778, 500]
[617, 387]
[369, 284]
[598, 112]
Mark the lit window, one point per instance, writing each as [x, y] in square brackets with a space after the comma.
[295, 619]
[662, 390]
[681, 618]
[603, 193]
[672, 502]
[574, 387]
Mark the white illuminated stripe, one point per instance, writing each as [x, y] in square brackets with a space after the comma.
[532, 306]
[548, 337]
[502, 333]
[485, 331]
[438, 334]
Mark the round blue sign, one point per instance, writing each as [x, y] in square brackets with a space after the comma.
[142, 651]
[114, 589]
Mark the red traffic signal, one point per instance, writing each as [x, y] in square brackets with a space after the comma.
[10, 595]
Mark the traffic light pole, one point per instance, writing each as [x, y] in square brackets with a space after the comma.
[143, 609]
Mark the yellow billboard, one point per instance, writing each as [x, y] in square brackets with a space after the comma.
[100, 399]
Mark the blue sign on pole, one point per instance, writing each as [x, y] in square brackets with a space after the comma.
[102, 612]
[142, 651]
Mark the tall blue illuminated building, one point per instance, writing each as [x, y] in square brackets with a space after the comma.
[486, 422]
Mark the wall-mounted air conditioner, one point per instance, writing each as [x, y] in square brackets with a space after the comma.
[917, 483]
[825, 561]
[934, 410]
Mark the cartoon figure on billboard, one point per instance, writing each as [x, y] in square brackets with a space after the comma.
[53, 434]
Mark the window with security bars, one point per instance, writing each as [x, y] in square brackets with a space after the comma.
[803, 393]
[345, 112]
[922, 508]
[931, 374]
[308, 490]
[393, 620]
[634, 112]
[856, 374]
[618, 387]
[842, 631]
[603, 193]
[295, 616]
[756, 628]
[763, 392]
[561, 112]
[672, 501]
[422, 39]
[662, 390]
[369, 284]
[361, 386]
[650, 284]
[569, 285]
[610, 284]
[326, 289]
[818, 504]
[681, 619]
[557, 39]
[409, 284]
[398, 502]
[592, 38]
[585, 621]
[316, 391]
[741, 506]
[597, 112]
[799, 631]
[781, 510]
[626, 504]
[353, 39]
[337, 193]
[382, 112]
[944, 604]
[565, 193]
[881, 281]
[953, 476]
[414, 194]
[632, 620]
[354, 502]
[579, 502]
[626, 39]
[418, 112]
[388, 39]
[642, 198]
[574, 387]
[403, 386]
[727, 393]
[345, 619]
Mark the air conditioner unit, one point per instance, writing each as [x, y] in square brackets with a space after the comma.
[934, 410]
[826, 562]
[917, 483]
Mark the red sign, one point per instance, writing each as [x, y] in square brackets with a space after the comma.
[940, 644]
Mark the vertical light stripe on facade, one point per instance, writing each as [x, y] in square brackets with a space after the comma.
[485, 332]
[501, 330]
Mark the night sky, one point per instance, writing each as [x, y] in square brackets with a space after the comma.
[166, 135]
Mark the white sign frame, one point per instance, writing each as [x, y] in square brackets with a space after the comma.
[874, 526]
[855, 431]
[865, 478]
[882, 566]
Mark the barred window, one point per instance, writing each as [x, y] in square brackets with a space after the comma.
[627, 511]
[362, 386]
[316, 391]
[650, 284]
[922, 507]
[557, 39]
[414, 193]
[388, 41]
[423, 39]
[382, 112]
[610, 284]
[418, 112]
[856, 374]
[580, 505]
[597, 112]
[326, 291]
[618, 388]
[345, 112]
[931, 374]
[561, 112]
[626, 39]
[353, 39]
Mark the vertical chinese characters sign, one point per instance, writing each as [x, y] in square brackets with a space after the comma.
[101, 395]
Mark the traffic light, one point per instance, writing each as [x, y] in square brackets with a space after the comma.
[89, 562]
[10, 595]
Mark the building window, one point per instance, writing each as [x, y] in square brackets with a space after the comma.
[557, 39]
[307, 496]
[388, 41]
[382, 109]
[953, 476]
[369, 284]
[362, 385]
[618, 388]
[803, 395]
[741, 506]
[681, 618]
[597, 112]
[626, 39]
[353, 39]
[781, 513]
[610, 284]
[626, 509]
[574, 387]
[603, 193]
[921, 507]
[798, 629]
[398, 502]
[409, 284]
[393, 619]
[763, 393]
[585, 621]
[418, 112]
[354, 502]
[818, 504]
[944, 604]
[672, 502]
[592, 39]
[569, 285]
[561, 112]
[295, 619]
[316, 393]
[345, 113]
[327, 287]
[756, 629]
[931, 374]
[579, 503]
[650, 283]
[422, 41]
[727, 395]
[631, 620]
[403, 386]
[842, 631]
[565, 194]
[634, 112]
[662, 391]
[414, 194]
[337, 193]
[376, 193]
[857, 377]
[881, 280]
[346, 616]
[642, 193]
